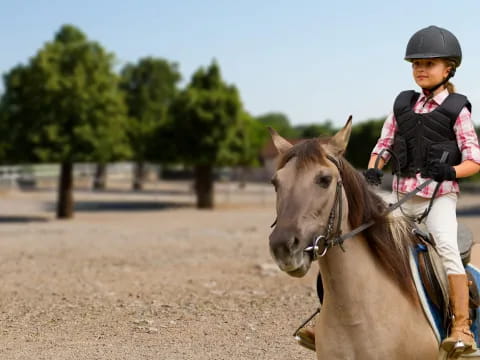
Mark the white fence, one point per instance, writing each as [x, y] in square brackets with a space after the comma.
[9, 175]
[29, 175]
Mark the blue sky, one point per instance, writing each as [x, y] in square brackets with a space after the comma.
[312, 60]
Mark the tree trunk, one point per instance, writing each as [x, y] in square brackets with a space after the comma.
[65, 192]
[138, 176]
[100, 179]
[204, 186]
[243, 177]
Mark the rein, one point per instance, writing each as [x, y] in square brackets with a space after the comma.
[330, 239]
[336, 238]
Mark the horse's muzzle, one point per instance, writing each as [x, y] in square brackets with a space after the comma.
[302, 270]
[287, 249]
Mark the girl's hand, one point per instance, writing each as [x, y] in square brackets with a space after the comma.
[373, 176]
[440, 171]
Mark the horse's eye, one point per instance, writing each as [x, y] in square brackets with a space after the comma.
[323, 180]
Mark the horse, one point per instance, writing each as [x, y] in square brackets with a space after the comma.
[370, 307]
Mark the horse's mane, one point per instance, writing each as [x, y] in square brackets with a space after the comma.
[389, 238]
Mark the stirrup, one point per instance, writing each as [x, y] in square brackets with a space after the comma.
[455, 350]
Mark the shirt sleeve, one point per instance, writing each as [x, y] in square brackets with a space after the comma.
[386, 137]
[467, 137]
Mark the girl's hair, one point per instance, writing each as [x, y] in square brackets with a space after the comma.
[449, 85]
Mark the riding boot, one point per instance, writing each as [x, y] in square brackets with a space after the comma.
[461, 340]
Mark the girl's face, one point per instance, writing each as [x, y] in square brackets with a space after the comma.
[429, 72]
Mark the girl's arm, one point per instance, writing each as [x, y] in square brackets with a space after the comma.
[373, 159]
[467, 168]
[384, 142]
[468, 144]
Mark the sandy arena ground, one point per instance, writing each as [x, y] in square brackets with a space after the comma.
[146, 276]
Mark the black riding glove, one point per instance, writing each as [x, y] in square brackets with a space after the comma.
[373, 176]
[440, 171]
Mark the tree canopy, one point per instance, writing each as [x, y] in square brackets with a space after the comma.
[315, 130]
[64, 105]
[150, 87]
[206, 118]
[362, 141]
[280, 123]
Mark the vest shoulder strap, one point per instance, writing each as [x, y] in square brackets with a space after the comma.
[453, 105]
[404, 102]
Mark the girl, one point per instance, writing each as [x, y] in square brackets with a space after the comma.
[423, 128]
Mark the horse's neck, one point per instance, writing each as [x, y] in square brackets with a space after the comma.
[355, 276]
[365, 309]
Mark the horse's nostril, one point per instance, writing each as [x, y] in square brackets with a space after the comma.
[284, 243]
[296, 243]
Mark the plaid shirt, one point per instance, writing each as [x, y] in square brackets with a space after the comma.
[466, 139]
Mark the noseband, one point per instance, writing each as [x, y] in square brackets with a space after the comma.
[333, 237]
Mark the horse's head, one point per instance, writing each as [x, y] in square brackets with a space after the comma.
[306, 184]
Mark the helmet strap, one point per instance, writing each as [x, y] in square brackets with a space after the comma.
[429, 92]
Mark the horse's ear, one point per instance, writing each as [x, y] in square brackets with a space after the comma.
[338, 142]
[280, 143]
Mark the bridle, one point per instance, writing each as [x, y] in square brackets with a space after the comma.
[333, 233]
[331, 239]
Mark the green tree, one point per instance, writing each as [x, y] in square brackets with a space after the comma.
[362, 140]
[315, 130]
[280, 123]
[4, 142]
[245, 145]
[256, 137]
[150, 87]
[65, 106]
[244, 142]
[206, 119]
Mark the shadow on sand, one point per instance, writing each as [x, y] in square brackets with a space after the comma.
[99, 206]
[15, 219]
[80, 190]
[470, 211]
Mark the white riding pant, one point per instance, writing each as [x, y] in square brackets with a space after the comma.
[441, 222]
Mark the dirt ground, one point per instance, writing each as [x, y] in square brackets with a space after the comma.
[146, 276]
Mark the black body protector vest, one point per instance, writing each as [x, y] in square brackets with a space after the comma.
[420, 138]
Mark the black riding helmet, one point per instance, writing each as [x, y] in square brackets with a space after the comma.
[434, 42]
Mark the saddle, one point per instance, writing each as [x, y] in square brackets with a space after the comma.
[434, 277]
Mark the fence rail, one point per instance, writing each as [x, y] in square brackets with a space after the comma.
[25, 176]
